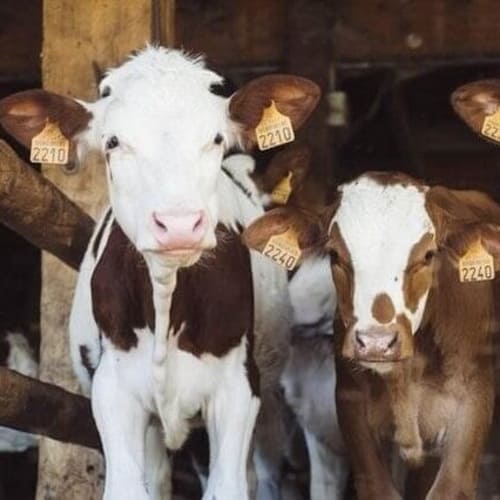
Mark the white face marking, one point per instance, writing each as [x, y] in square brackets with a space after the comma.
[380, 225]
[166, 120]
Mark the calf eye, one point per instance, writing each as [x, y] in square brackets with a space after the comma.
[218, 139]
[334, 257]
[106, 91]
[112, 143]
[429, 255]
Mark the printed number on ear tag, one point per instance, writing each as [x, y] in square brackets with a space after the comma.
[282, 190]
[274, 129]
[491, 127]
[283, 249]
[476, 265]
[50, 146]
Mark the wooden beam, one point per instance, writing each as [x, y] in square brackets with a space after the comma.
[33, 207]
[395, 30]
[66, 416]
[78, 37]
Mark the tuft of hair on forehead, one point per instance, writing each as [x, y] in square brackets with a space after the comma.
[382, 196]
[156, 63]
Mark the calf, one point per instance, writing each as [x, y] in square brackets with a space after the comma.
[172, 317]
[413, 343]
[309, 378]
[16, 354]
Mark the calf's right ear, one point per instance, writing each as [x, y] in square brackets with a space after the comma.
[307, 228]
[24, 115]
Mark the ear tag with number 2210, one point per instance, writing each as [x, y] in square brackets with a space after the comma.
[50, 146]
[274, 129]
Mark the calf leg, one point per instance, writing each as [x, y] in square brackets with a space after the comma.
[329, 471]
[230, 416]
[157, 464]
[465, 438]
[371, 475]
[122, 421]
[269, 446]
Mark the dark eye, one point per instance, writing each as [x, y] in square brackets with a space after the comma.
[429, 255]
[106, 91]
[334, 257]
[218, 139]
[112, 143]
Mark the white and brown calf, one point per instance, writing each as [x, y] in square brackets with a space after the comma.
[16, 354]
[309, 378]
[413, 343]
[172, 316]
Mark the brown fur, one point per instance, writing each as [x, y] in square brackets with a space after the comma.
[473, 102]
[418, 275]
[383, 308]
[294, 97]
[25, 114]
[214, 299]
[441, 397]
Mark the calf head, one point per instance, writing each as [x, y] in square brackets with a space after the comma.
[163, 131]
[387, 235]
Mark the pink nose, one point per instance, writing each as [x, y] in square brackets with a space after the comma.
[179, 230]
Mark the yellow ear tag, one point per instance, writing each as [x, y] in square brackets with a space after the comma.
[274, 129]
[476, 265]
[491, 126]
[283, 249]
[50, 146]
[282, 190]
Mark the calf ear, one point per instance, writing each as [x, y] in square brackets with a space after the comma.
[294, 161]
[294, 96]
[24, 115]
[307, 227]
[463, 217]
[475, 101]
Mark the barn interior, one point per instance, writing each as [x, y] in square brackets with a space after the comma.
[386, 68]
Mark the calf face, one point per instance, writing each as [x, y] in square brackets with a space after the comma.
[386, 234]
[163, 133]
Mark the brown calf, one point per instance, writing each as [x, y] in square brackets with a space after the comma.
[414, 344]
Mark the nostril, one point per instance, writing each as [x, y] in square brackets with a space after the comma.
[358, 340]
[199, 223]
[158, 222]
[393, 341]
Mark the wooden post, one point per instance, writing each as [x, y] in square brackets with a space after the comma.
[78, 37]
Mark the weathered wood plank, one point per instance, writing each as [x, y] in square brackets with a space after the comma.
[395, 29]
[247, 32]
[34, 208]
[20, 39]
[66, 417]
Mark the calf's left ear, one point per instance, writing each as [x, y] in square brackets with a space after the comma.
[294, 96]
[470, 234]
[306, 228]
[475, 101]
[24, 115]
